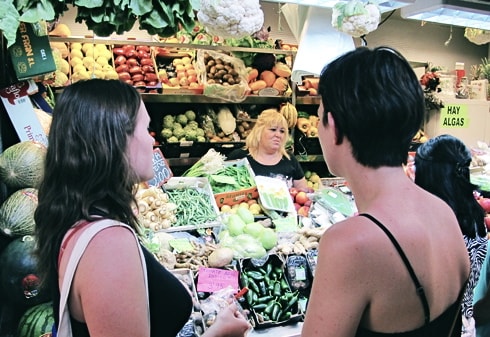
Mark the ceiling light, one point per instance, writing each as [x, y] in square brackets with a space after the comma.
[466, 13]
[384, 6]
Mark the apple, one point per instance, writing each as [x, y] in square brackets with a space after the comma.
[487, 222]
[293, 191]
[301, 198]
[303, 211]
[484, 203]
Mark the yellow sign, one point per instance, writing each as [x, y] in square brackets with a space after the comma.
[455, 116]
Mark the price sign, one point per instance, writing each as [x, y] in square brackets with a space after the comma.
[214, 279]
[455, 116]
[160, 168]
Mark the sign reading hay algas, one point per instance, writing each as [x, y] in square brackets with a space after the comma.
[455, 116]
[31, 53]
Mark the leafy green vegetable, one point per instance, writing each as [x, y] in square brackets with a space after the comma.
[9, 21]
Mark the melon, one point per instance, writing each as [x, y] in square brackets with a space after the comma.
[17, 213]
[36, 321]
[22, 164]
[19, 280]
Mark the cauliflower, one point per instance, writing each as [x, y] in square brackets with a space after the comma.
[176, 126]
[191, 115]
[355, 17]
[200, 132]
[193, 125]
[201, 139]
[179, 132]
[166, 133]
[231, 18]
[173, 139]
[168, 121]
[191, 135]
[181, 119]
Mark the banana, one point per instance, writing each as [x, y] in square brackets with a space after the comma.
[289, 112]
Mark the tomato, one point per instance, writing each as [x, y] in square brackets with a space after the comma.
[132, 62]
[138, 77]
[151, 77]
[147, 68]
[135, 70]
[125, 76]
[122, 68]
[143, 48]
[120, 60]
[146, 61]
[118, 51]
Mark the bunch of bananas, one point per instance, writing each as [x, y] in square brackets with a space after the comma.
[289, 112]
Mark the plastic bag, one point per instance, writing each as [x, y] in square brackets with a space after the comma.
[223, 76]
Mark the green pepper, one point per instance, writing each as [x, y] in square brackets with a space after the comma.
[269, 307]
[276, 311]
[268, 268]
[249, 297]
[284, 285]
[255, 275]
[244, 280]
[259, 306]
[291, 302]
[277, 289]
[265, 299]
[252, 285]
[262, 288]
[285, 316]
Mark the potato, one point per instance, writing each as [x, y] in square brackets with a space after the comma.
[220, 257]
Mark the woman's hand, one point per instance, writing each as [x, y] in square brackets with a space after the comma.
[229, 322]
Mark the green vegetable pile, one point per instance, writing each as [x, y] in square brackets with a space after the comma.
[231, 178]
[194, 207]
[269, 296]
[104, 17]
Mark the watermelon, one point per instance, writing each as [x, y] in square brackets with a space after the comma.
[19, 280]
[22, 164]
[17, 213]
[36, 321]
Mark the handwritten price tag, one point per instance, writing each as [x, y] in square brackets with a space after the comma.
[160, 168]
[214, 279]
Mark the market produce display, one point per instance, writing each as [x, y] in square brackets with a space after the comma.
[135, 65]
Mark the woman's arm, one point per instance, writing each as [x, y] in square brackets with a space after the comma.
[300, 183]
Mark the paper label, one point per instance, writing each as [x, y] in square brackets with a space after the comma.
[214, 279]
[16, 100]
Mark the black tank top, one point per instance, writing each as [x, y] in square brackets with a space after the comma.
[441, 326]
[170, 302]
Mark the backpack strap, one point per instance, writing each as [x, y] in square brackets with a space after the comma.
[88, 232]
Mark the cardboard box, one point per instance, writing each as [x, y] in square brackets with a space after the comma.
[236, 197]
[200, 184]
[259, 315]
[31, 53]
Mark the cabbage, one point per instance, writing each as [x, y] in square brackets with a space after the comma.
[268, 238]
